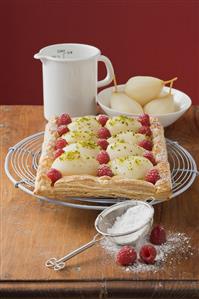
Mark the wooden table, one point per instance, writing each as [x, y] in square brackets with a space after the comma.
[32, 231]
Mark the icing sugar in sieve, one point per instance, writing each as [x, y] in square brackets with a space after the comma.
[126, 222]
[134, 218]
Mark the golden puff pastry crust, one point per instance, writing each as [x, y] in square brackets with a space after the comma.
[92, 186]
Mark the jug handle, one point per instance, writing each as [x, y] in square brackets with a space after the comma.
[110, 72]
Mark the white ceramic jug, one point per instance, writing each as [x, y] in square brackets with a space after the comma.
[70, 83]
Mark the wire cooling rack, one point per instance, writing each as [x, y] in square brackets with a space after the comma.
[22, 160]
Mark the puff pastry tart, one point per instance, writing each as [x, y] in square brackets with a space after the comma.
[104, 157]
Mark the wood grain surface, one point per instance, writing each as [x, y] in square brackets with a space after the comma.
[33, 231]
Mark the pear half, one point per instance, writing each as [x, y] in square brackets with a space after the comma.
[132, 167]
[122, 123]
[161, 106]
[75, 163]
[121, 102]
[124, 149]
[143, 88]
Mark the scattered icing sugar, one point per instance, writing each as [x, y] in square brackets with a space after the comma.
[178, 243]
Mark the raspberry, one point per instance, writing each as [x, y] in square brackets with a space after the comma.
[148, 254]
[150, 157]
[152, 176]
[64, 119]
[60, 143]
[144, 119]
[102, 119]
[54, 175]
[145, 130]
[146, 144]
[158, 235]
[104, 170]
[103, 143]
[103, 157]
[62, 130]
[58, 152]
[103, 133]
[126, 256]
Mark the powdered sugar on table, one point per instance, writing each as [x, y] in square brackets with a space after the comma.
[176, 248]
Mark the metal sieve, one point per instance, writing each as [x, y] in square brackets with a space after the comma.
[103, 223]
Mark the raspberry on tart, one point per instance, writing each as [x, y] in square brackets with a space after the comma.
[146, 144]
[104, 170]
[144, 120]
[58, 152]
[54, 175]
[103, 157]
[64, 119]
[103, 143]
[62, 130]
[145, 130]
[60, 143]
[102, 119]
[152, 176]
[151, 158]
[103, 133]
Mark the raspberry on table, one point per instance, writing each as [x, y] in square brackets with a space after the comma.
[144, 119]
[103, 133]
[126, 256]
[104, 170]
[58, 152]
[150, 157]
[146, 144]
[145, 130]
[152, 176]
[54, 175]
[103, 157]
[102, 119]
[60, 143]
[148, 254]
[62, 130]
[64, 119]
[103, 143]
[158, 235]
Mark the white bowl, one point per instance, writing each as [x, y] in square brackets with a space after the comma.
[182, 101]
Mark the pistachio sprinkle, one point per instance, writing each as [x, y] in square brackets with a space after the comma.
[71, 155]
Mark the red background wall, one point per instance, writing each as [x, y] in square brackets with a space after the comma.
[159, 38]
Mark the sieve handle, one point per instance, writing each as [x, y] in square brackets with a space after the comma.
[58, 264]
